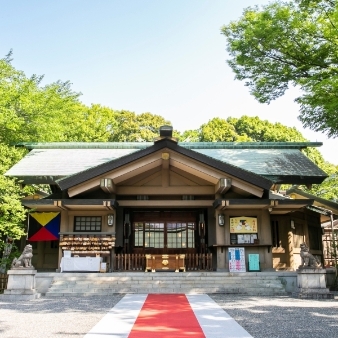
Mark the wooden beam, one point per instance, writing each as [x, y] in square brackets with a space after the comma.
[121, 175]
[192, 169]
[159, 190]
[134, 169]
[222, 186]
[166, 203]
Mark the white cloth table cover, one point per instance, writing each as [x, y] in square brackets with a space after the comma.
[80, 264]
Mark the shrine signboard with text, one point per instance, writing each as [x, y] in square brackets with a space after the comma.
[243, 225]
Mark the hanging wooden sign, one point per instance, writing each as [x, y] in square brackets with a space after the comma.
[243, 224]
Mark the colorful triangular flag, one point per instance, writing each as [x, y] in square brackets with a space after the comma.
[44, 226]
[43, 235]
[44, 217]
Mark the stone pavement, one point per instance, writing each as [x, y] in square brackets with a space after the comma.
[260, 316]
[214, 321]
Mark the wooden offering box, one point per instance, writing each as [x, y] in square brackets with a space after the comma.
[165, 262]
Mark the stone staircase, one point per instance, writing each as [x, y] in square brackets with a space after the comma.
[89, 284]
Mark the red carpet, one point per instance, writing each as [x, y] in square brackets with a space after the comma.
[166, 316]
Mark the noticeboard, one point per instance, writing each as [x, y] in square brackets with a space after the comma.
[254, 262]
[236, 259]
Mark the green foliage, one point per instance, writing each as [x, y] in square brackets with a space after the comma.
[9, 155]
[290, 43]
[130, 127]
[243, 129]
[329, 188]
[217, 130]
[30, 112]
[90, 124]
[190, 136]
[6, 261]
[12, 213]
[256, 130]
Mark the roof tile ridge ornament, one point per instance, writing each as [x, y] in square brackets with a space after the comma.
[166, 132]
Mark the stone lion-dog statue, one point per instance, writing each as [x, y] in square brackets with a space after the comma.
[25, 259]
[307, 259]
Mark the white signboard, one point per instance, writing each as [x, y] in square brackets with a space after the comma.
[236, 259]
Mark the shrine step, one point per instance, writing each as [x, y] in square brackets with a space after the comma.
[82, 284]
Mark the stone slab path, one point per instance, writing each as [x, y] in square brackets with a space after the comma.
[120, 320]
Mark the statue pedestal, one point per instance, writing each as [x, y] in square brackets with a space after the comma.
[21, 285]
[311, 283]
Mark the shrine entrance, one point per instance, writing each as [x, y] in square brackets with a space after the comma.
[164, 232]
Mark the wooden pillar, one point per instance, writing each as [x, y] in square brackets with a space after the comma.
[290, 250]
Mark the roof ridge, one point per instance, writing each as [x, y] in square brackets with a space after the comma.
[188, 145]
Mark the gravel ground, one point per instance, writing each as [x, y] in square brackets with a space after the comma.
[53, 317]
[260, 316]
[285, 317]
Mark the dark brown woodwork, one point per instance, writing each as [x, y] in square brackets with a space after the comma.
[137, 262]
[163, 218]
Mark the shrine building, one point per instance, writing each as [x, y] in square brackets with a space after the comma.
[194, 204]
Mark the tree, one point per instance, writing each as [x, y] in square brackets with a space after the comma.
[130, 127]
[290, 43]
[31, 112]
[192, 135]
[256, 130]
[217, 130]
[91, 124]
[12, 213]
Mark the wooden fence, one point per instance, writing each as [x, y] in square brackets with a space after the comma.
[198, 262]
[129, 262]
[137, 262]
[3, 282]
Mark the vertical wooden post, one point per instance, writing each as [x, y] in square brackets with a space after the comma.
[290, 249]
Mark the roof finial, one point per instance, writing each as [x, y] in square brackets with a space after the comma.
[166, 132]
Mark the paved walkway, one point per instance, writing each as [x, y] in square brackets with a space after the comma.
[214, 321]
[260, 317]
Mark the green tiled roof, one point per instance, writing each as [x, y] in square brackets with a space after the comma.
[281, 162]
[271, 163]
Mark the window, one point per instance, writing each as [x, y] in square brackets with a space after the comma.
[139, 234]
[88, 223]
[170, 235]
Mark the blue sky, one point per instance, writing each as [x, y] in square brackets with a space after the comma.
[163, 57]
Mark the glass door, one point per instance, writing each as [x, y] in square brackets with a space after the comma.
[154, 235]
[180, 235]
[164, 237]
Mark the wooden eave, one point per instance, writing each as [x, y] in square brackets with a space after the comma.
[71, 204]
[318, 201]
[274, 206]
